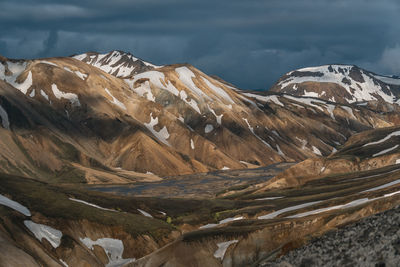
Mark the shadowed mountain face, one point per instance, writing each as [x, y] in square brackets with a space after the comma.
[119, 119]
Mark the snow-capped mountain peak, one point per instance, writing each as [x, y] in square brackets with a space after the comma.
[117, 63]
[339, 83]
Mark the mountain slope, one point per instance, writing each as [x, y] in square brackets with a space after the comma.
[73, 119]
[366, 151]
[339, 83]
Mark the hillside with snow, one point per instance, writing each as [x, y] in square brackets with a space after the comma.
[108, 160]
[339, 83]
[164, 120]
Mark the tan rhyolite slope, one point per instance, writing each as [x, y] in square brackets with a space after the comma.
[365, 151]
[65, 117]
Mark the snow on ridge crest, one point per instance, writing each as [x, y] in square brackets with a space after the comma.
[368, 90]
[113, 62]
[16, 69]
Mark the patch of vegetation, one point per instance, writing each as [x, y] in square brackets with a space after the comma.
[53, 202]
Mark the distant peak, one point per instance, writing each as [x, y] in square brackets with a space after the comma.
[116, 62]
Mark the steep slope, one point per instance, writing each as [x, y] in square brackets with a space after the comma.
[339, 83]
[44, 225]
[171, 120]
[365, 151]
[235, 112]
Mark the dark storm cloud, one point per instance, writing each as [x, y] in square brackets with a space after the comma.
[49, 44]
[249, 43]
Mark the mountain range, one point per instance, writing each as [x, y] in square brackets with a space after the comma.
[115, 118]
[74, 126]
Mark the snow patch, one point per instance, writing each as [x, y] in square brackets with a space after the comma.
[145, 213]
[385, 151]
[63, 263]
[186, 76]
[307, 101]
[208, 128]
[343, 206]
[90, 204]
[81, 75]
[144, 90]
[218, 91]
[191, 143]
[156, 78]
[16, 68]
[231, 219]
[272, 98]
[210, 225]
[350, 111]
[280, 151]
[161, 135]
[316, 151]
[397, 133]
[49, 63]
[73, 98]
[278, 212]
[43, 93]
[24, 86]
[382, 186]
[222, 247]
[113, 248]
[43, 231]
[68, 69]
[115, 101]
[4, 118]
[303, 142]
[268, 198]
[311, 94]
[252, 131]
[217, 117]
[191, 103]
[5, 201]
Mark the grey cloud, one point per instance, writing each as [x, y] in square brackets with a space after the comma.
[41, 12]
[249, 43]
[390, 60]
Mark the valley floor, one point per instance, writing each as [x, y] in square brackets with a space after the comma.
[199, 185]
[373, 241]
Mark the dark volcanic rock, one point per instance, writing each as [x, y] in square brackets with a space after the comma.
[373, 241]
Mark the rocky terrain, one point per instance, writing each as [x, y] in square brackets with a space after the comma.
[373, 241]
[106, 159]
[67, 119]
[341, 84]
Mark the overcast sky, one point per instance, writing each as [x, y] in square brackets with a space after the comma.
[248, 43]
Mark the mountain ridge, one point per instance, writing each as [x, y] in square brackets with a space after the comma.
[341, 83]
[186, 120]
